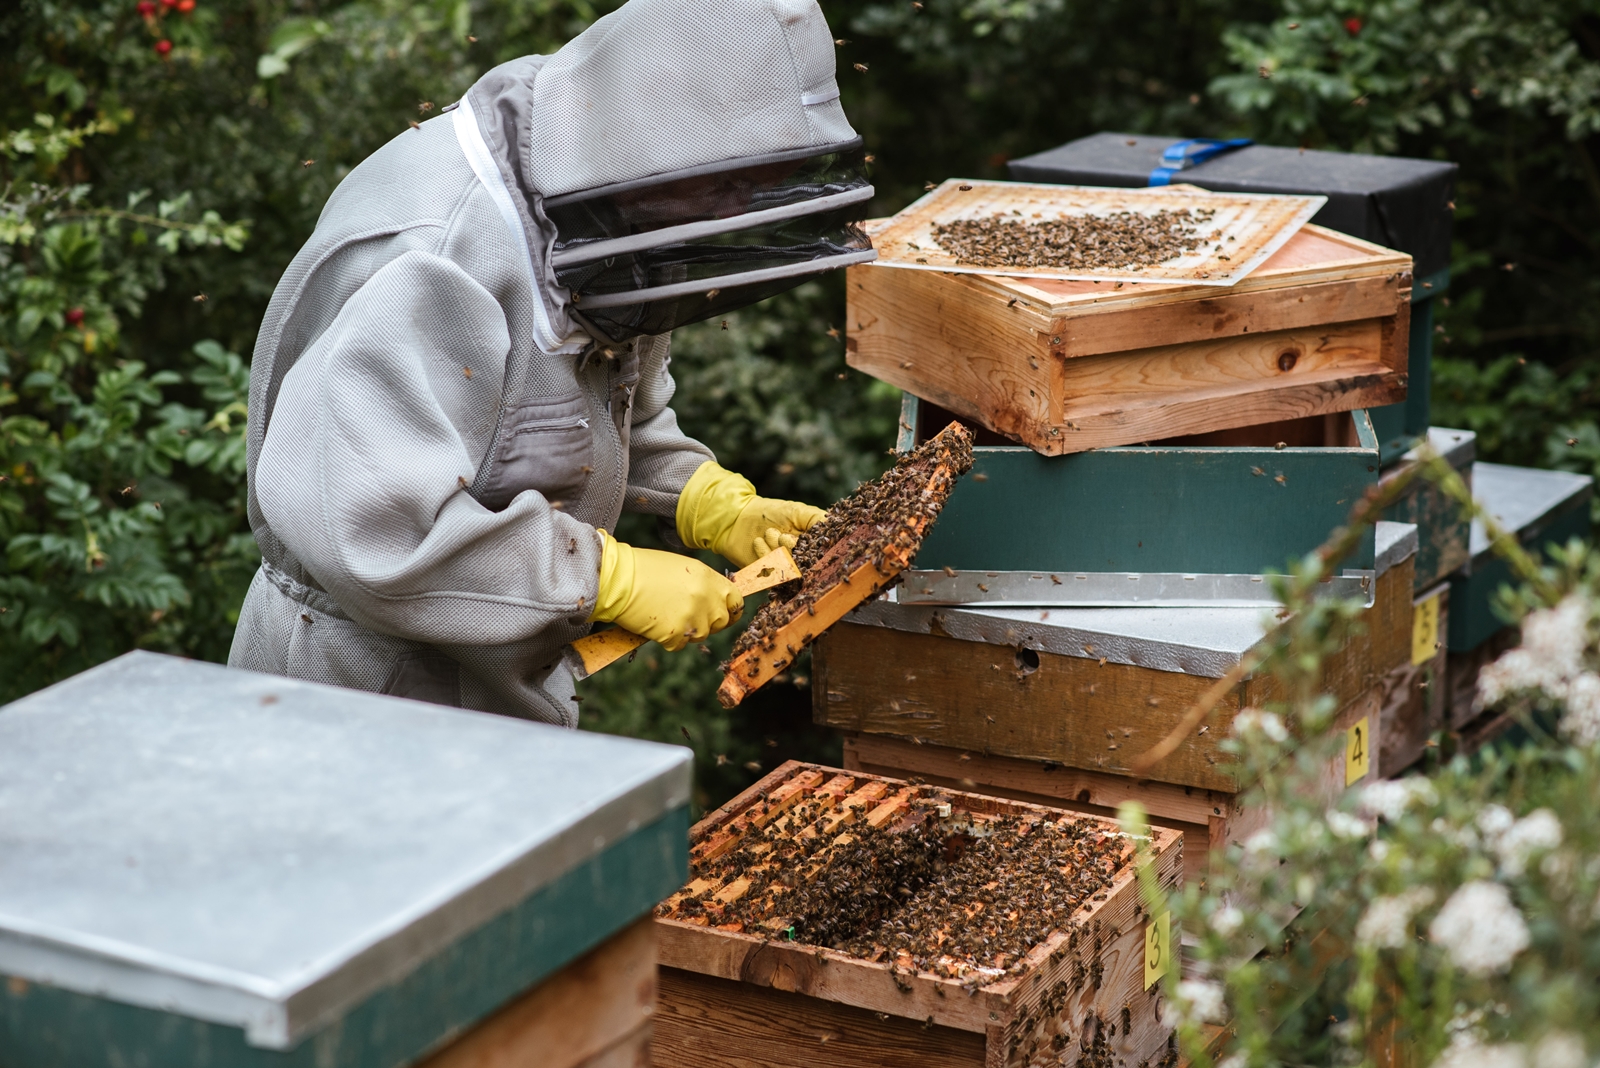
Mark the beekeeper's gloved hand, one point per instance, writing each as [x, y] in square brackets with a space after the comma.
[665, 597]
[719, 510]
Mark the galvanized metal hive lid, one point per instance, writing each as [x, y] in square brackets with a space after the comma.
[266, 853]
[1521, 499]
[1204, 641]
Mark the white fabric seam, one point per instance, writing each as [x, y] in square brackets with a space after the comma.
[808, 100]
[470, 138]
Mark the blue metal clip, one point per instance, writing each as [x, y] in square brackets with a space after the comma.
[1182, 155]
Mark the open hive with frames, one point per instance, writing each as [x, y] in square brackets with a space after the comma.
[860, 919]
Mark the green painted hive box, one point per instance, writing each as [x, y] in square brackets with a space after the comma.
[206, 868]
[1229, 503]
[1545, 508]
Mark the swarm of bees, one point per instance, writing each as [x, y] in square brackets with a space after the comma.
[1122, 240]
[862, 528]
[902, 877]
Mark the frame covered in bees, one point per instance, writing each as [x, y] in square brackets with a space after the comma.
[857, 550]
[847, 918]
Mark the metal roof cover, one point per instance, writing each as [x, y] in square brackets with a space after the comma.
[1523, 499]
[263, 852]
[1208, 642]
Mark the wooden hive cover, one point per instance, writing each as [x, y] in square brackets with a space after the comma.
[1065, 366]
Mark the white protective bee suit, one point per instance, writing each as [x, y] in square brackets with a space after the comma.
[433, 437]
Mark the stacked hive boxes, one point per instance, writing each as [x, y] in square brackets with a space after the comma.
[1406, 204]
[1051, 703]
[242, 871]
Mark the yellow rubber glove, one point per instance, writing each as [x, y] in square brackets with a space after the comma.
[665, 597]
[719, 510]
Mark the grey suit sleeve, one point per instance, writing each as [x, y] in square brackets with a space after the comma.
[661, 458]
[365, 465]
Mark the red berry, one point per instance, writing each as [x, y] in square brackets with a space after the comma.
[74, 316]
[163, 46]
[169, 3]
[147, 8]
[1353, 25]
[185, 6]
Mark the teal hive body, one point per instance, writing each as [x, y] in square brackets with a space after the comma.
[214, 868]
[1158, 508]
[1543, 508]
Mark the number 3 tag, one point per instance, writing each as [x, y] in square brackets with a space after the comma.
[1157, 948]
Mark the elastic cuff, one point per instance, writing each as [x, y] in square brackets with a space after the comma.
[710, 502]
[616, 579]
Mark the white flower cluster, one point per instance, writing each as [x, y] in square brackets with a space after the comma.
[1343, 825]
[1550, 660]
[1558, 1049]
[1480, 928]
[1268, 723]
[1470, 1053]
[1226, 920]
[1515, 841]
[1204, 1000]
[1387, 921]
[1387, 799]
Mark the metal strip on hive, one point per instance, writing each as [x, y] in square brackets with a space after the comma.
[1093, 589]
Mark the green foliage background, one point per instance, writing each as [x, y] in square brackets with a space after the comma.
[151, 199]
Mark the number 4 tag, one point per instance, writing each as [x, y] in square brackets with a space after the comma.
[1357, 751]
[1157, 948]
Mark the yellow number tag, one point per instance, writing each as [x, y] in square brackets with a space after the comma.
[1425, 631]
[1357, 751]
[1157, 948]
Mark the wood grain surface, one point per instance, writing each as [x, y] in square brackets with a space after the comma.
[1073, 711]
[706, 1022]
[594, 1013]
[1064, 367]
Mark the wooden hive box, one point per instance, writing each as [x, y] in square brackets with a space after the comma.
[1226, 503]
[1050, 705]
[1416, 693]
[237, 870]
[1403, 203]
[732, 997]
[1063, 367]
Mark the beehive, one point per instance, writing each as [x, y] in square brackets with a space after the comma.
[786, 946]
[237, 870]
[1050, 705]
[1065, 367]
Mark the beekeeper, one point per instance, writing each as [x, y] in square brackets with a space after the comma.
[462, 379]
